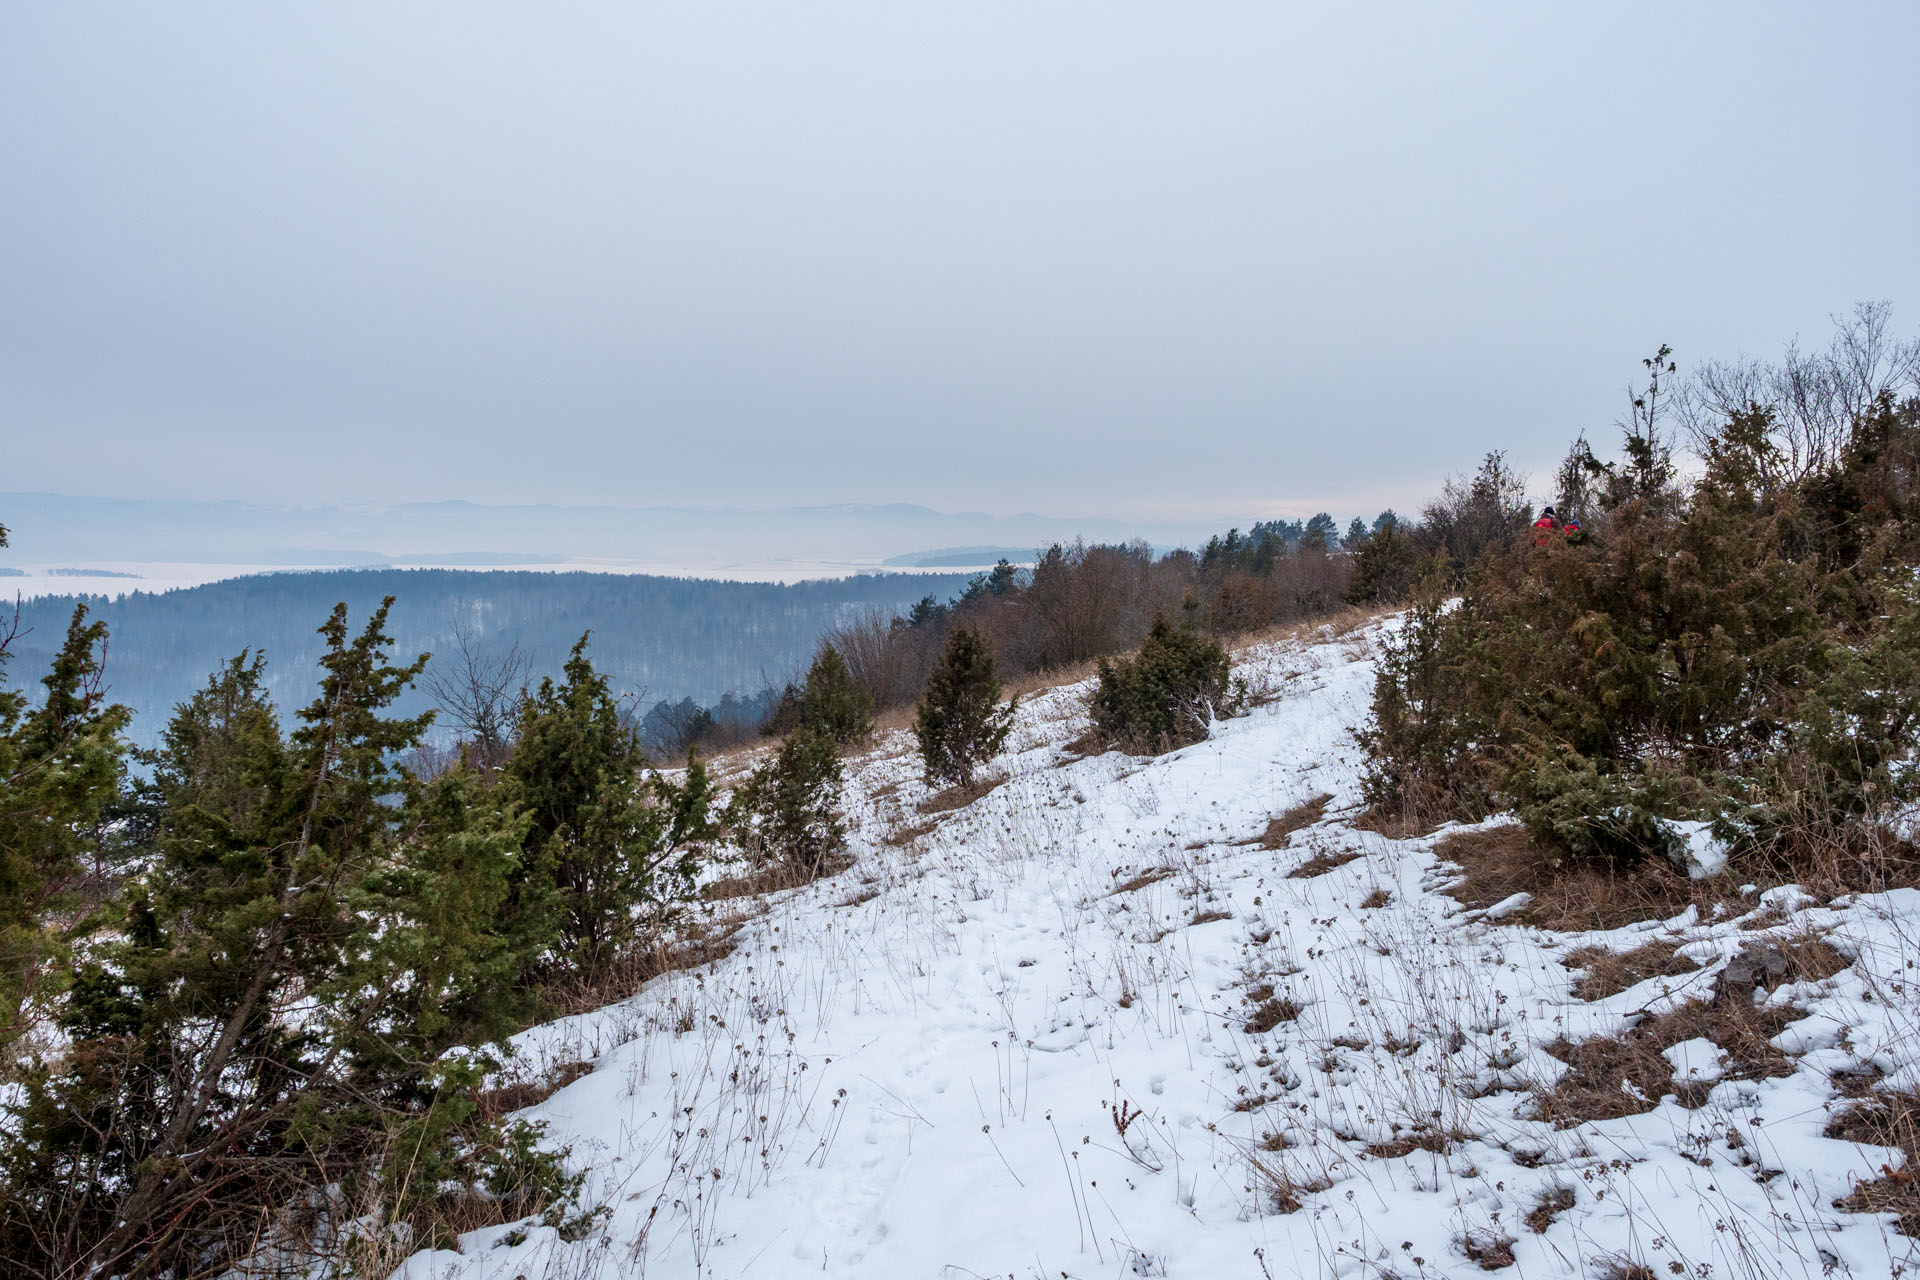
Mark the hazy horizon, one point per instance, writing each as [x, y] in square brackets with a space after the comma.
[1198, 264]
[157, 544]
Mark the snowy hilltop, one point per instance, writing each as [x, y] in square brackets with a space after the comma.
[1179, 1016]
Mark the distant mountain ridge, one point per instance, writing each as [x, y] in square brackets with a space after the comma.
[61, 528]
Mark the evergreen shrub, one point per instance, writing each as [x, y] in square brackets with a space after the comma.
[960, 722]
[789, 810]
[1164, 696]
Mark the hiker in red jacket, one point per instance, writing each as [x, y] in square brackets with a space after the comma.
[1575, 534]
[1545, 527]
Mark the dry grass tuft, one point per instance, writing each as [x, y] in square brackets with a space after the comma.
[1407, 824]
[1859, 857]
[1036, 682]
[700, 943]
[771, 878]
[1492, 1250]
[1323, 861]
[898, 837]
[1622, 1269]
[1435, 1141]
[1271, 1012]
[494, 1103]
[1609, 1077]
[1811, 958]
[1283, 1192]
[1569, 895]
[1886, 1120]
[1305, 814]
[1375, 900]
[1551, 1204]
[1610, 972]
[959, 797]
[1208, 917]
[1088, 744]
[1152, 875]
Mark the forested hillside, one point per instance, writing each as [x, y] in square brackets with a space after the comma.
[661, 637]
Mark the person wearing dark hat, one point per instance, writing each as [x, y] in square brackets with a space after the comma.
[1545, 527]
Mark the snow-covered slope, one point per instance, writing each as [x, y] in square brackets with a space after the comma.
[1030, 1038]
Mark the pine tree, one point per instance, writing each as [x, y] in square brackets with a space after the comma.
[616, 843]
[784, 717]
[832, 704]
[312, 933]
[1384, 567]
[61, 766]
[959, 723]
[790, 807]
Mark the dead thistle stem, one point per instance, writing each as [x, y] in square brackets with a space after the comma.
[1082, 1217]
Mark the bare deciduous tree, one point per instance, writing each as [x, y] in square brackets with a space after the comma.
[1815, 398]
[479, 693]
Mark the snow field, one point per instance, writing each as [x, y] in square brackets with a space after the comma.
[1089, 1025]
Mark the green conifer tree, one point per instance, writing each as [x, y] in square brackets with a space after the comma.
[1166, 695]
[959, 722]
[61, 766]
[618, 843]
[1384, 567]
[790, 808]
[312, 933]
[832, 704]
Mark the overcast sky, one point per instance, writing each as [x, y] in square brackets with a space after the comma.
[1169, 259]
